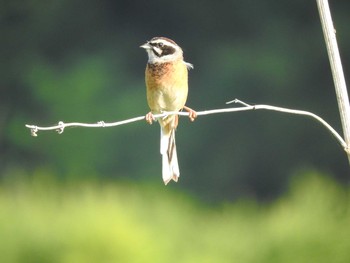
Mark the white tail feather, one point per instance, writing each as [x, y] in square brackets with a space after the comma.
[164, 141]
[170, 166]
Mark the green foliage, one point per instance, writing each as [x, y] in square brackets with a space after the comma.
[42, 220]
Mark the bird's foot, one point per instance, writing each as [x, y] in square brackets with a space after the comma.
[191, 113]
[149, 118]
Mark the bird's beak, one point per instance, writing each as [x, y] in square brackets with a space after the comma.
[145, 46]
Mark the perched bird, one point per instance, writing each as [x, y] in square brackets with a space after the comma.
[166, 78]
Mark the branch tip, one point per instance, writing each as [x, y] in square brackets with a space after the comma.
[33, 131]
[231, 101]
[237, 101]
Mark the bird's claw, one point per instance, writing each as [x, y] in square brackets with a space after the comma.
[149, 118]
[192, 114]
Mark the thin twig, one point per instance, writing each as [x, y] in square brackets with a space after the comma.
[246, 107]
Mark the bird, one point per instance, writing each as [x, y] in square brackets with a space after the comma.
[166, 78]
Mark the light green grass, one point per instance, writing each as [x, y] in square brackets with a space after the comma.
[45, 221]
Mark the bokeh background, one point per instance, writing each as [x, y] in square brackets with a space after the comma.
[255, 186]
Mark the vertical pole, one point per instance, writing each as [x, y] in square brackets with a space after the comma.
[337, 69]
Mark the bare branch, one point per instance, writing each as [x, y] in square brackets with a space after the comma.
[246, 107]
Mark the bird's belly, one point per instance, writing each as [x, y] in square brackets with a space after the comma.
[167, 98]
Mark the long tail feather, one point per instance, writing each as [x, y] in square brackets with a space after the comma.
[170, 166]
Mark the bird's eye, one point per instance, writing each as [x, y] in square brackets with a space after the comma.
[160, 44]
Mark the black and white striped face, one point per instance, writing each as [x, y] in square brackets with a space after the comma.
[162, 49]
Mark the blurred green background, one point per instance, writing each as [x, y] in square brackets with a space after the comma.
[254, 186]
